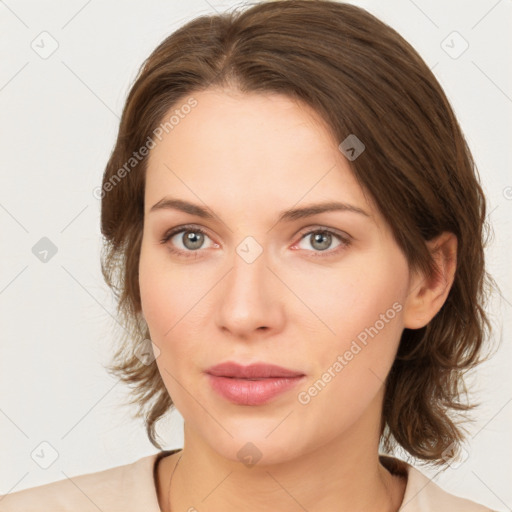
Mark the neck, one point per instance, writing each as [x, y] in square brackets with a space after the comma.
[343, 474]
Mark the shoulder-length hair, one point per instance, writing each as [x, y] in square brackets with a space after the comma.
[363, 78]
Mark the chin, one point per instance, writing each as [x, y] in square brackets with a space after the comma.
[253, 446]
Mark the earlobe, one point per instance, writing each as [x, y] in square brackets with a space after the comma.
[427, 294]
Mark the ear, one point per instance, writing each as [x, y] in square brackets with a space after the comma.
[426, 295]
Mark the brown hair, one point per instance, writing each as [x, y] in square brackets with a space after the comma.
[363, 78]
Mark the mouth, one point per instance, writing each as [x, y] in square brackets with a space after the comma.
[256, 371]
[255, 384]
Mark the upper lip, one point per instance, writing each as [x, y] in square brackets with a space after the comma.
[256, 370]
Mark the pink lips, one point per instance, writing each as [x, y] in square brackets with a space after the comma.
[255, 384]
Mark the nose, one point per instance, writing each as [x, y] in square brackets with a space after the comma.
[249, 300]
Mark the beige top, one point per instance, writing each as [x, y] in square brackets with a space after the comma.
[131, 488]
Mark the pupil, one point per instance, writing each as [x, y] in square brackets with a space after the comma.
[326, 237]
[195, 239]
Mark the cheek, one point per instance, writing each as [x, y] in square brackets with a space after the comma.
[168, 292]
[167, 298]
[364, 310]
[175, 305]
[357, 313]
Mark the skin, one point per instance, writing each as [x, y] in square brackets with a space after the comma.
[247, 157]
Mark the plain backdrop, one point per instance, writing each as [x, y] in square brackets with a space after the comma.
[65, 70]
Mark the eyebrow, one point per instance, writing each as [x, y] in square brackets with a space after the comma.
[287, 215]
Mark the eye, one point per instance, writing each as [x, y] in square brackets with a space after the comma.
[321, 239]
[187, 240]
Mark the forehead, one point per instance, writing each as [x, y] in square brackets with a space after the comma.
[249, 151]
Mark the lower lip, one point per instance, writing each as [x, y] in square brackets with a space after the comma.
[252, 392]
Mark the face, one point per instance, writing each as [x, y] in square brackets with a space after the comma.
[322, 294]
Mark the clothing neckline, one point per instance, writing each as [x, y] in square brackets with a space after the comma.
[157, 457]
[396, 467]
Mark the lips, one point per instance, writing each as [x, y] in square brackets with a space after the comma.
[256, 384]
[254, 371]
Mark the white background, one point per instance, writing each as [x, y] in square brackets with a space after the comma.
[59, 118]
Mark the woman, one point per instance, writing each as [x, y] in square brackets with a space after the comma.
[293, 228]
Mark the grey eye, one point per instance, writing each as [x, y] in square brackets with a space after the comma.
[192, 239]
[188, 239]
[321, 240]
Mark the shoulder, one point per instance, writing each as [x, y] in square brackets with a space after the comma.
[424, 495]
[122, 488]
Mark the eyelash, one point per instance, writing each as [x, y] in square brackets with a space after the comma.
[345, 241]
